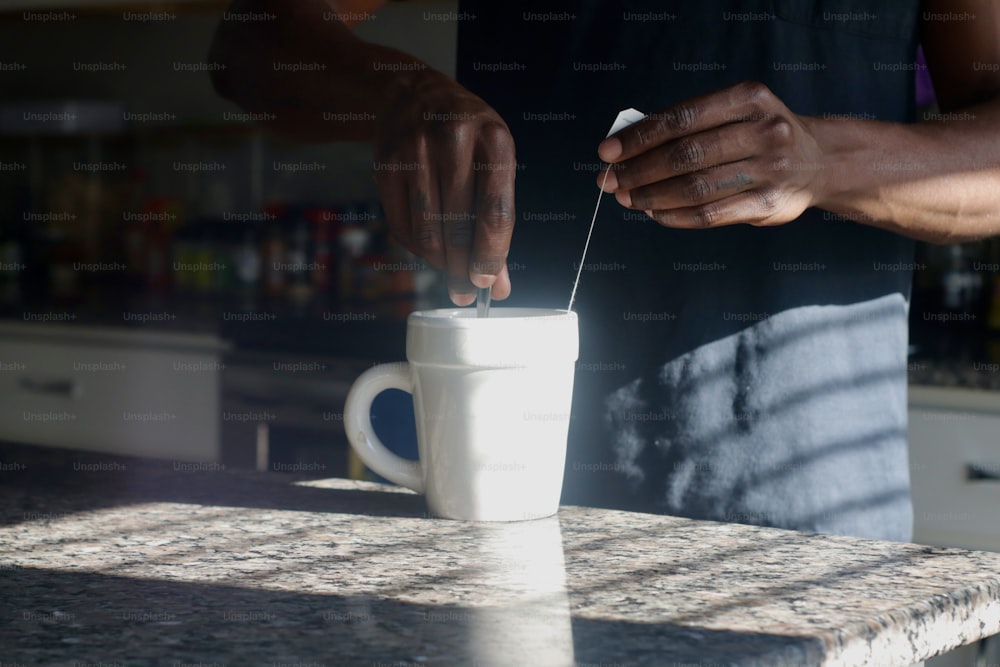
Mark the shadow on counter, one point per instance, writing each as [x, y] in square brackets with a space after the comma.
[103, 618]
[40, 483]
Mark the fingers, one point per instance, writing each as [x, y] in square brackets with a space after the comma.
[501, 288]
[695, 153]
[701, 187]
[759, 207]
[426, 239]
[734, 156]
[453, 202]
[457, 196]
[456, 216]
[395, 195]
[747, 100]
[494, 207]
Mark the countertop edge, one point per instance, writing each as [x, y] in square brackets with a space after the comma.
[960, 615]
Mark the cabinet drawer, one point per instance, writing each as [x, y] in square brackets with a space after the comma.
[111, 398]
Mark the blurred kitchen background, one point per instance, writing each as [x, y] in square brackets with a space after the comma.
[173, 281]
[176, 283]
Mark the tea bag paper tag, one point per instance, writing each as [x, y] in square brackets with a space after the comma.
[625, 118]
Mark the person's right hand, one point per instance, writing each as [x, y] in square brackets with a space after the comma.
[445, 169]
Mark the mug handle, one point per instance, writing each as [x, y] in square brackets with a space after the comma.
[361, 435]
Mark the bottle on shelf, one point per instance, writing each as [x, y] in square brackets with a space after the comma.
[402, 279]
[184, 254]
[247, 260]
[133, 235]
[162, 218]
[299, 285]
[273, 253]
[952, 280]
[354, 240]
[962, 284]
[323, 266]
[377, 267]
[226, 244]
[205, 265]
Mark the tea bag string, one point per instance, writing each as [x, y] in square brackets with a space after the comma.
[586, 246]
[625, 118]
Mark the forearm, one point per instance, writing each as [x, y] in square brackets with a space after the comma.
[936, 181]
[342, 83]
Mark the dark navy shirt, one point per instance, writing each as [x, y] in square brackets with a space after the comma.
[746, 374]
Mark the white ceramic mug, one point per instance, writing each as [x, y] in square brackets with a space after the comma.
[491, 397]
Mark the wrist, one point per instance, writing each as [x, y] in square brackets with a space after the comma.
[821, 188]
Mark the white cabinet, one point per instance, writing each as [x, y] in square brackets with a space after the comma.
[954, 440]
[111, 390]
[954, 437]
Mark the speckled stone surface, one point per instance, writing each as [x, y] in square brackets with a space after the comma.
[158, 565]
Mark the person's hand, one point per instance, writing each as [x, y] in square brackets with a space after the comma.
[735, 156]
[445, 169]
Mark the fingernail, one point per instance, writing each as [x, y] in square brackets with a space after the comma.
[482, 279]
[624, 198]
[610, 149]
[610, 182]
[461, 298]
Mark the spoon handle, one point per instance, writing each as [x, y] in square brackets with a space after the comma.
[483, 302]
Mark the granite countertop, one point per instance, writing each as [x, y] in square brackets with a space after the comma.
[117, 561]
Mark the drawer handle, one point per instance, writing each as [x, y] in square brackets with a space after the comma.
[978, 472]
[65, 388]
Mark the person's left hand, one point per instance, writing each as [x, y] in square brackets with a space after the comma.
[735, 156]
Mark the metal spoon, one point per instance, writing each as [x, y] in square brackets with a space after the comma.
[483, 302]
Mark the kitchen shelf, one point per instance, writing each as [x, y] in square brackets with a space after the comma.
[13, 9]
